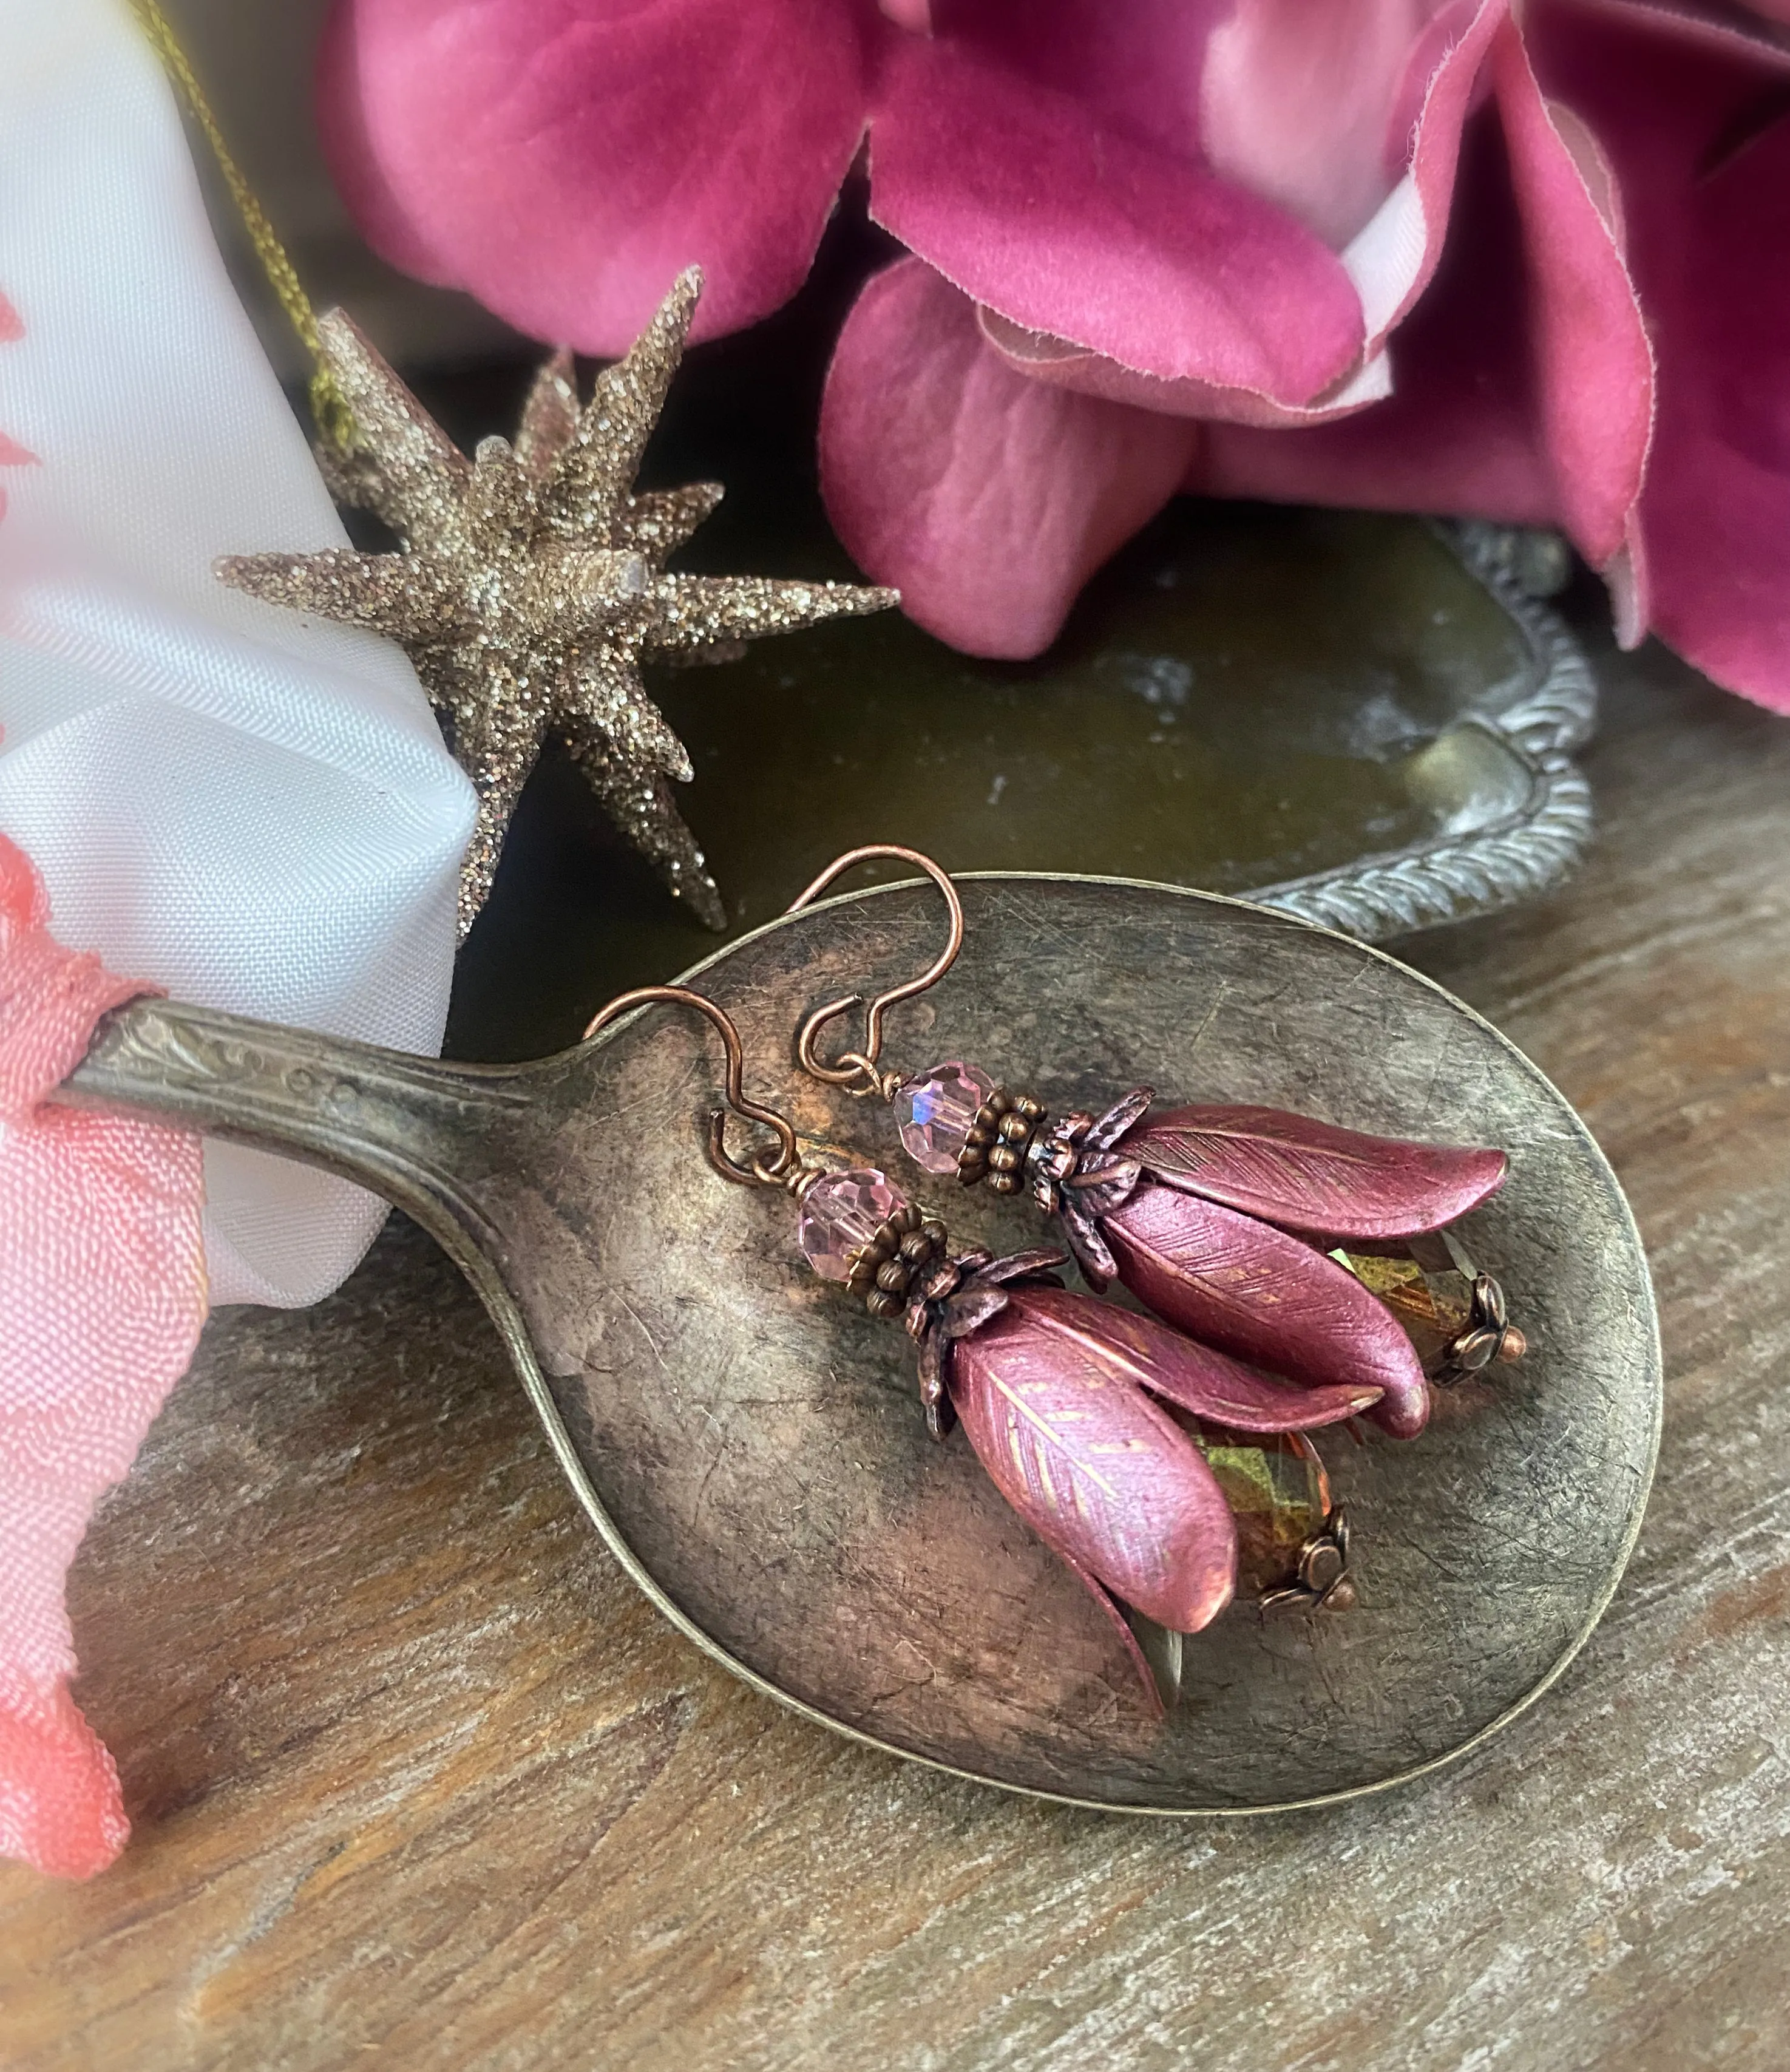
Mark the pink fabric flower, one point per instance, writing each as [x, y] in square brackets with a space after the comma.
[102, 1293]
[1159, 244]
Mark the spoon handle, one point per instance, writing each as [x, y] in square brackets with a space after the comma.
[417, 1132]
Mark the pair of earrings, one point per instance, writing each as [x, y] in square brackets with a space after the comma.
[1297, 1276]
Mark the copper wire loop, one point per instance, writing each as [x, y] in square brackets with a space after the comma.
[781, 1168]
[857, 1070]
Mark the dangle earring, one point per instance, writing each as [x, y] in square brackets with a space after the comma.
[1317, 1253]
[1065, 1400]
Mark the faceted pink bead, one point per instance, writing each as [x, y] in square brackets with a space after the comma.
[933, 1113]
[840, 1214]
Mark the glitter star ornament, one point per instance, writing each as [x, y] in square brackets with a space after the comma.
[532, 583]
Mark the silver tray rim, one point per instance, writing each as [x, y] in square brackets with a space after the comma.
[1552, 711]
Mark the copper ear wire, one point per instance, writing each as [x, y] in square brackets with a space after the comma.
[784, 1169]
[857, 1070]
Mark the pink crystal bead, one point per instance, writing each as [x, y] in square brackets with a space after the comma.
[841, 1213]
[934, 1111]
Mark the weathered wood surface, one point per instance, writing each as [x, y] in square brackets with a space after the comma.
[418, 1780]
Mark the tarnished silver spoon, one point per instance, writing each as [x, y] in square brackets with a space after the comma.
[752, 1449]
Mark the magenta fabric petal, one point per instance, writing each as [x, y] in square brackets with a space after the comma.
[1065, 366]
[1136, 68]
[986, 498]
[1021, 196]
[564, 160]
[1296, 98]
[1394, 257]
[346, 103]
[1388, 262]
[1743, 29]
[1704, 170]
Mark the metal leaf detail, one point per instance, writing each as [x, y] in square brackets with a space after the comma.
[1267, 1297]
[1102, 1181]
[1104, 1478]
[1159, 1680]
[1042, 1262]
[1311, 1176]
[1092, 1254]
[970, 1311]
[1128, 1109]
[1199, 1378]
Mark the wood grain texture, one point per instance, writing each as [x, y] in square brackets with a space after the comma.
[418, 1780]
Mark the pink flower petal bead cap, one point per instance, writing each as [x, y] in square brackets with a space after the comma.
[840, 1215]
[934, 1112]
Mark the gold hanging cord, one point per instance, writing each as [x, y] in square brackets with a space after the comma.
[334, 420]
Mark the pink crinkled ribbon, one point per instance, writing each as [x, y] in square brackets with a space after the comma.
[102, 1294]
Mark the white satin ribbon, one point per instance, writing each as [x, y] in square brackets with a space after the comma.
[253, 809]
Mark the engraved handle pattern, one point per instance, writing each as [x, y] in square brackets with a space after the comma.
[408, 1127]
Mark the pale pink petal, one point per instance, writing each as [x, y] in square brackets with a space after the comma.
[11, 326]
[985, 498]
[1296, 97]
[1704, 175]
[564, 160]
[1394, 257]
[1022, 198]
[102, 1293]
[1461, 433]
